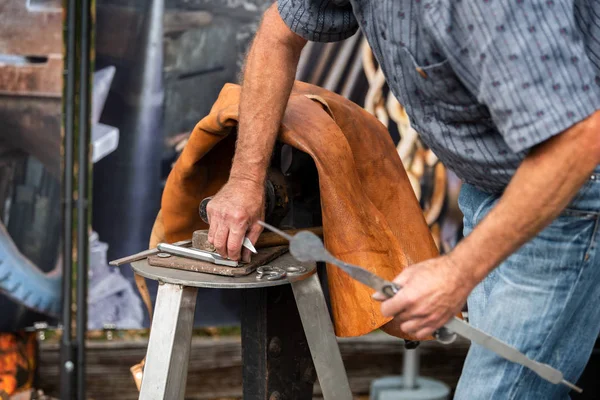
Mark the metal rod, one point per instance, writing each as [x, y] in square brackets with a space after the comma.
[145, 254]
[410, 369]
[83, 190]
[277, 231]
[66, 365]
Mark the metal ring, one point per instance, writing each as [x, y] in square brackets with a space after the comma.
[163, 255]
[295, 269]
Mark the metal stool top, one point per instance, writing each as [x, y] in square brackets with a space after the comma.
[200, 279]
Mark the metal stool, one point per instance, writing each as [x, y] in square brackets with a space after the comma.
[264, 337]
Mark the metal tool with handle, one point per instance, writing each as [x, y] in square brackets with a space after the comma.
[306, 246]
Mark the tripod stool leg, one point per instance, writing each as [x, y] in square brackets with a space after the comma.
[321, 339]
[165, 373]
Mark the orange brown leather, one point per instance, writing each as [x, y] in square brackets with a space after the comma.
[371, 216]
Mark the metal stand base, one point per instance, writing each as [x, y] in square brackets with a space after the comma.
[409, 386]
[278, 337]
[393, 388]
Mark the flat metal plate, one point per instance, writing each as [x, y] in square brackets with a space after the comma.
[199, 279]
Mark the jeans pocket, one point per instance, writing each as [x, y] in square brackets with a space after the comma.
[579, 228]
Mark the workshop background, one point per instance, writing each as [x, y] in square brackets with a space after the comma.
[145, 100]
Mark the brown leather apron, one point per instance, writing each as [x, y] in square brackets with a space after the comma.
[370, 214]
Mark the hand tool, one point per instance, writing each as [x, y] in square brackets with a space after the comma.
[145, 254]
[305, 246]
[196, 254]
[248, 244]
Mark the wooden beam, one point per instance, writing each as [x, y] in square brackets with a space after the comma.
[215, 369]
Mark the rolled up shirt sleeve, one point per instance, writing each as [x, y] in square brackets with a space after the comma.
[529, 62]
[318, 20]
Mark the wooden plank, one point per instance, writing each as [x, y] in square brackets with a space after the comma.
[215, 370]
[43, 78]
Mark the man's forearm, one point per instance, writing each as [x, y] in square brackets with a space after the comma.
[542, 187]
[268, 79]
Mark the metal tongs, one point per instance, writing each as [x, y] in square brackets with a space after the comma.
[307, 247]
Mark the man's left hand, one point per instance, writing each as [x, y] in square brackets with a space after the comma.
[431, 293]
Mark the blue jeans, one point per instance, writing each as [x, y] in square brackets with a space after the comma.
[544, 300]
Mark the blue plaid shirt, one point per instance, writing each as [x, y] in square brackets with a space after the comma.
[483, 81]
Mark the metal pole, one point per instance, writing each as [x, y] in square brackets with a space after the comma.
[410, 368]
[67, 366]
[83, 190]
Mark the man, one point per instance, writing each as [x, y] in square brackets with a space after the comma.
[507, 94]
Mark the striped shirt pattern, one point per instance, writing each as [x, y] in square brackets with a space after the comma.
[483, 81]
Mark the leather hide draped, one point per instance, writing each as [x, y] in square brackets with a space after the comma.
[370, 214]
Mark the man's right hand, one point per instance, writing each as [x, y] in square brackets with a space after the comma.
[234, 213]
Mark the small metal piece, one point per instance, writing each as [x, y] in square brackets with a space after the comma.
[444, 335]
[295, 270]
[422, 72]
[248, 244]
[109, 330]
[146, 253]
[40, 328]
[163, 255]
[196, 254]
[270, 273]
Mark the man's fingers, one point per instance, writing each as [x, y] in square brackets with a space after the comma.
[414, 326]
[378, 296]
[252, 234]
[220, 239]
[424, 333]
[402, 279]
[234, 244]
[212, 229]
[396, 305]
